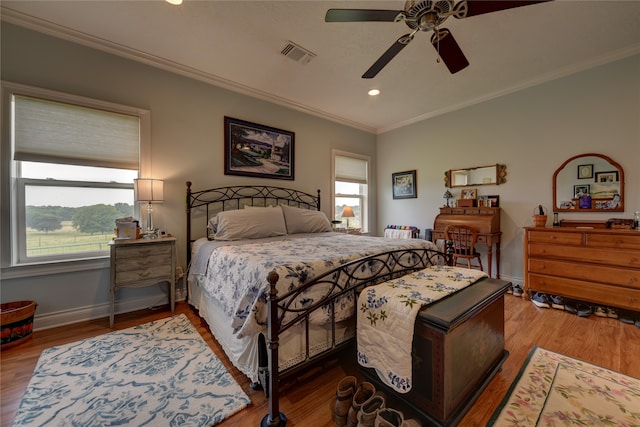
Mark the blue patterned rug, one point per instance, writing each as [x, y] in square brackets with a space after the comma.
[161, 373]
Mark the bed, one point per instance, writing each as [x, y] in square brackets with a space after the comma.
[258, 258]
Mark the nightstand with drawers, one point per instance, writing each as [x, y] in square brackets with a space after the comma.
[136, 263]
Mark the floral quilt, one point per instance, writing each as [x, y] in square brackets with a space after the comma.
[387, 315]
[237, 274]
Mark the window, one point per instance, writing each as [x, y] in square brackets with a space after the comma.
[350, 176]
[71, 165]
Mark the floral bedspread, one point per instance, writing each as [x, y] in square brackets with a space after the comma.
[387, 315]
[237, 274]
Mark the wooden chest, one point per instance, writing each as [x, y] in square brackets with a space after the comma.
[458, 347]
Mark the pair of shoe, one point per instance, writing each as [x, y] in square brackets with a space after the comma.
[540, 300]
[362, 406]
[601, 311]
[578, 307]
[356, 405]
[517, 290]
[557, 302]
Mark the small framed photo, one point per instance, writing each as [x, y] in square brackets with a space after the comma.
[469, 193]
[494, 200]
[585, 171]
[404, 185]
[581, 190]
[611, 176]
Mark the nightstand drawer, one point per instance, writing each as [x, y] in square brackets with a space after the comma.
[141, 251]
[128, 264]
[162, 271]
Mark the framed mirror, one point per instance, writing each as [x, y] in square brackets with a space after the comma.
[588, 183]
[480, 175]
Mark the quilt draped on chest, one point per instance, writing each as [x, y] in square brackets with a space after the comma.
[387, 313]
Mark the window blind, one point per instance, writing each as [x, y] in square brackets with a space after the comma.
[351, 169]
[56, 132]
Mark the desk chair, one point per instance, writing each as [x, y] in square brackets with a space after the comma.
[463, 241]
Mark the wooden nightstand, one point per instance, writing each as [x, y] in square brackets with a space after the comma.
[139, 263]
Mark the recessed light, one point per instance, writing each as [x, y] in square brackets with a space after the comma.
[174, 2]
[374, 92]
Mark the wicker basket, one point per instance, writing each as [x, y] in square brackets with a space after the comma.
[16, 322]
[539, 220]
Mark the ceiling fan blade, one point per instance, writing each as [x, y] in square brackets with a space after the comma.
[479, 7]
[449, 50]
[363, 15]
[387, 56]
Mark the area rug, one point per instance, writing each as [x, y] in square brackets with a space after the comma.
[161, 373]
[556, 390]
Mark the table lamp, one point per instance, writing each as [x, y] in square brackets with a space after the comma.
[150, 191]
[347, 212]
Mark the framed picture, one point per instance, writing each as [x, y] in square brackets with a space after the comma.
[494, 201]
[251, 149]
[611, 176]
[404, 185]
[469, 193]
[581, 190]
[585, 171]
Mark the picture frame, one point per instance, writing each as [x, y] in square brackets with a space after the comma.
[494, 201]
[251, 149]
[585, 171]
[610, 176]
[404, 185]
[469, 193]
[581, 190]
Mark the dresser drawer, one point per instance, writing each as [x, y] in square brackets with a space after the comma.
[629, 278]
[162, 271]
[572, 239]
[139, 251]
[617, 241]
[589, 255]
[600, 293]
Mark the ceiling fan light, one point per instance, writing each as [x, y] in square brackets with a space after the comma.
[374, 92]
[174, 2]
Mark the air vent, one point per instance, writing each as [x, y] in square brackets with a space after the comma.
[297, 53]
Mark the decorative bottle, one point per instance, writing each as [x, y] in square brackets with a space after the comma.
[636, 220]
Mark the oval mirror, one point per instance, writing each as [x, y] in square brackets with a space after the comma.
[588, 183]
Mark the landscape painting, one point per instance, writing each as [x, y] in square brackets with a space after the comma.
[257, 150]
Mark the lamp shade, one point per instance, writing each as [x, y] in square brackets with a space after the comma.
[347, 212]
[149, 190]
[447, 195]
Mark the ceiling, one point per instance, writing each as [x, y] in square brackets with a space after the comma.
[237, 45]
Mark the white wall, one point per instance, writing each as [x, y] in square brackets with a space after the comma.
[187, 144]
[533, 132]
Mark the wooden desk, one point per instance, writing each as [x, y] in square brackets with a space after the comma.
[486, 220]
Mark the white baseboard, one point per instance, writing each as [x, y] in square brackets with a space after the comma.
[81, 314]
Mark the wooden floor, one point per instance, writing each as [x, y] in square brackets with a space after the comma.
[308, 401]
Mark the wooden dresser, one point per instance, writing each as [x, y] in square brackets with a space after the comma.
[486, 220]
[139, 263]
[597, 265]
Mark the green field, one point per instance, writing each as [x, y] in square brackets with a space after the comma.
[65, 241]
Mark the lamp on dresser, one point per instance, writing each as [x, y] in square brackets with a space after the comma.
[151, 191]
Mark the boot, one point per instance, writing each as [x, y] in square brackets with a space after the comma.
[363, 394]
[389, 418]
[344, 395]
[369, 411]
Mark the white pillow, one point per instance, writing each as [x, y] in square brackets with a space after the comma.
[305, 221]
[252, 223]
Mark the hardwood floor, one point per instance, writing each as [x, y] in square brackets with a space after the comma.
[308, 401]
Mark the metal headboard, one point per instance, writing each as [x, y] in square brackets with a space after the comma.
[219, 199]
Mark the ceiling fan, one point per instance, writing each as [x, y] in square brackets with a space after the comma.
[425, 15]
